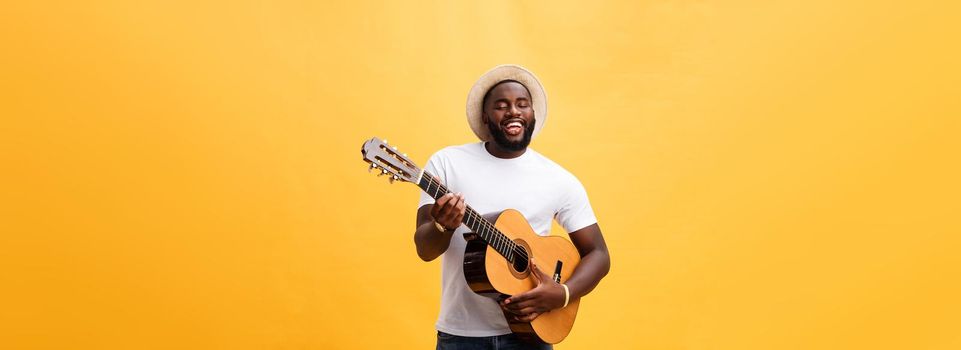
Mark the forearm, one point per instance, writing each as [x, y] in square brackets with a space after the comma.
[589, 272]
[430, 242]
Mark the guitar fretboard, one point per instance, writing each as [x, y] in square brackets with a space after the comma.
[485, 229]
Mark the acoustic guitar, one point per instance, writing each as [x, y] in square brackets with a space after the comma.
[499, 248]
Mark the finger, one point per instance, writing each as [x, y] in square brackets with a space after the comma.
[461, 209]
[525, 307]
[456, 202]
[518, 298]
[446, 198]
[528, 318]
[543, 277]
[536, 273]
[452, 202]
[439, 205]
[521, 305]
[449, 201]
[450, 209]
[528, 310]
[462, 205]
[514, 312]
[447, 214]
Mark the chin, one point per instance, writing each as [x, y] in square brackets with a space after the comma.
[512, 143]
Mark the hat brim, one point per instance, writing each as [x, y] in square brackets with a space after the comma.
[475, 98]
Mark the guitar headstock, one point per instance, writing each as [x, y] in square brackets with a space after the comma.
[387, 161]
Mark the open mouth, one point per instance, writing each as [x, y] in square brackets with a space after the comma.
[514, 127]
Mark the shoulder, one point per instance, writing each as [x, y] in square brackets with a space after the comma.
[553, 168]
[448, 153]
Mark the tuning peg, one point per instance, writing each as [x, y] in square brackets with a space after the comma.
[372, 167]
[382, 173]
[395, 148]
[404, 154]
[385, 141]
[391, 179]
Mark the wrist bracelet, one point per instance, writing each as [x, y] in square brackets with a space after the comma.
[567, 295]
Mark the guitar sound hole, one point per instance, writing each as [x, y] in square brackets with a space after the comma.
[520, 262]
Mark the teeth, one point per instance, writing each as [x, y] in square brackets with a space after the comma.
[513, 124]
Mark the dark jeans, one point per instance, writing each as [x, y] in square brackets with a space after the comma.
[501, 342]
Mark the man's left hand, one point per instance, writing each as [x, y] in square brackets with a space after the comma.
[546, 296]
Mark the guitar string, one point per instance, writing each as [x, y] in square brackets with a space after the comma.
[496, 234]
[501, 238]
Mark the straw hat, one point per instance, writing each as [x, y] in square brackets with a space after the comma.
[475, 98]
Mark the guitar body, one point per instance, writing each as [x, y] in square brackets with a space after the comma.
[490, 274]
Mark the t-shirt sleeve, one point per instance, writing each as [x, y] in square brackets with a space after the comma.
[435, 167]
[575, 212]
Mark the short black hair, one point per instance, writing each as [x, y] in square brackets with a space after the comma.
[488, 93]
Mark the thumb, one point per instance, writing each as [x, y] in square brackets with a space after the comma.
[539, 275]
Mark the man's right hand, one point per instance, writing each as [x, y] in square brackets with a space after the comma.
[448, 210]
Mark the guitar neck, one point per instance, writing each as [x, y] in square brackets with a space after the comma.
[478, 224]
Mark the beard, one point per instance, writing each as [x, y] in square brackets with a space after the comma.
[500, 137]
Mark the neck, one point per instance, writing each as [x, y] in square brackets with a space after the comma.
[497, 151]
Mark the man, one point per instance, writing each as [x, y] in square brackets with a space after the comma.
[506, 108]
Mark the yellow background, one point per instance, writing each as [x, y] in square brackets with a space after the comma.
[768, 174]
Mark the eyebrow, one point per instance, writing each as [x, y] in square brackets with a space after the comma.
[506, 100]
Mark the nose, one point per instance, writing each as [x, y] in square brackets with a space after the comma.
[515, 111]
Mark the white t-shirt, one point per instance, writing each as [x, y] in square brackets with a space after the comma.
[533, 185]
